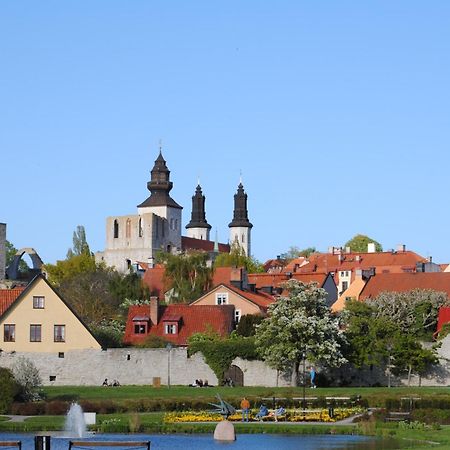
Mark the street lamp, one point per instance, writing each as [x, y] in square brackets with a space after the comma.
[304, 381]
[169, 348]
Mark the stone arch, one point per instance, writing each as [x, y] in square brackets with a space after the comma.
[12, 272]
[235, 374]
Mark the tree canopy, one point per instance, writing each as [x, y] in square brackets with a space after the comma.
[187, 274]
[238, 258]
[359, 244]
[80, 245]
[300, 324]
[295, 252]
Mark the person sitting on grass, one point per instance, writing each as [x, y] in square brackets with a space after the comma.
[263, 412]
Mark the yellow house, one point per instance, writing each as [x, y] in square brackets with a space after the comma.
[245, 302]
[39, 320]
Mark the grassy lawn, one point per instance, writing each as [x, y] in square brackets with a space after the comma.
[375, 396]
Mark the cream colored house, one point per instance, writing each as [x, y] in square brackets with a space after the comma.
[39, 320]
[245, 302]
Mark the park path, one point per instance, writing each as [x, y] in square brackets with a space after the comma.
[15, 418]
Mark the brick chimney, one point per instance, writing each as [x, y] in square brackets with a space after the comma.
[154, 310]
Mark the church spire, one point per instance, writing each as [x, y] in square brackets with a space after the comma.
[240, 213]
[160, 185]
[198, 215]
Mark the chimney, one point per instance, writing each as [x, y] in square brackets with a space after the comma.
[236, 277]
[401, 248]
[154, 310]
[151, 262]
[371, 247]
[348, 250]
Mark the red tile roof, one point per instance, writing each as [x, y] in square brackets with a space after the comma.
[192, 319]
[7, 298]
[221, 275]
[260, 299]
[154, 279]
[402, 282]
[395, 262]
[188, 243]
[275, 279]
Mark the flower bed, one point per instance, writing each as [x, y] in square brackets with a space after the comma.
[292, 415]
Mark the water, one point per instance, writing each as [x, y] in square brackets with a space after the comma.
[243, 442]
[75, 425]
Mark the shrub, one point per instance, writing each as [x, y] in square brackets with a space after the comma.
[8, 389]
[153, 341]
[28, 377]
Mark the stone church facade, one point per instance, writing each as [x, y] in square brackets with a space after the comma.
[134, 239]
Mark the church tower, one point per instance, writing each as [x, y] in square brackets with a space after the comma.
[240, 226]
[198, 227]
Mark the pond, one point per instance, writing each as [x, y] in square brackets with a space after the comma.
[243, 442]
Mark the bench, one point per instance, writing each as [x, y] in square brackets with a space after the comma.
[398, 416]
[108, 444]
[17, 444]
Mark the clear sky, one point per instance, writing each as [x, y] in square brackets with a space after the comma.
[336, 112]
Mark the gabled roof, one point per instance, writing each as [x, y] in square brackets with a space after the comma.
[7, 298]
[192, 319]
[259, 299]
[353, 291]
[29, 287]
[403, 282]
[189, 243]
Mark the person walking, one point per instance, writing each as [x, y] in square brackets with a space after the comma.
[245, 406]
[312, 374]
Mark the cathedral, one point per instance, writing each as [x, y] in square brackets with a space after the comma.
[136, 239]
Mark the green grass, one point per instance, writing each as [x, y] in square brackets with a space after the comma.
[375, 395]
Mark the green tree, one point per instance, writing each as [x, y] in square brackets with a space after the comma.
[66, 269]
[238, 258]
[128, 287]
[9, 388]
[187, 274]
[80, 245]
[109, 332]
[295, 252]
[300, 325]
[358, 244]
[247, 325]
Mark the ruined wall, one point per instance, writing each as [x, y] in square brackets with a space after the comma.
[133, 366]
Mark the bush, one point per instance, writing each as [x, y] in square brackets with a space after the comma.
[8, 389]
[28, 377]
[153, 341]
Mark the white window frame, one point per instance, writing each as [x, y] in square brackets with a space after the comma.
[221, 298]
[38, 302]
[237, 315]
[170, 328]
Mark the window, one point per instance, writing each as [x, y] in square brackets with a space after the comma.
[116, 229]
[344, 285]
[221, 298]
[61, 355]
[346, 273]
[237, 315]
[9, 333]
[59, 333]
[52, 377]
[38, 302]
[35, 333]
[171, 328]
[128, 228]
[140, 328]
[140, 227]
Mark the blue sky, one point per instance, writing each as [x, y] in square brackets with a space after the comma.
[337, 114]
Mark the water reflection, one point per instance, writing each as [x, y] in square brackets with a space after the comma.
[244, 442]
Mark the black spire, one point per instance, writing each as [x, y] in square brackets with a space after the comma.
[160, 186]
[240, 213]
[198, 216]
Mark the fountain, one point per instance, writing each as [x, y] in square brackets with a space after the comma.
[75, 423]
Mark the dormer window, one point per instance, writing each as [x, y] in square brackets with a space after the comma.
[172, 324]
[170, 328]
[221, 298]
[141, 324]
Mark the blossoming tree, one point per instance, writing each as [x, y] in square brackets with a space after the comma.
[300, 324]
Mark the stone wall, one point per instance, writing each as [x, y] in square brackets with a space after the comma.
[134, 366]
[2, 250]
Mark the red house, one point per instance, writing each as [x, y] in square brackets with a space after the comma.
[177, 322]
